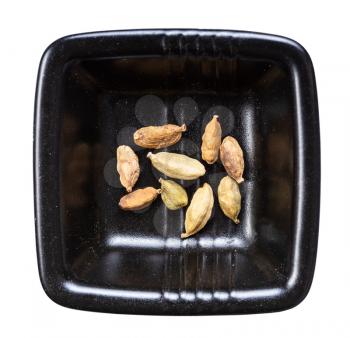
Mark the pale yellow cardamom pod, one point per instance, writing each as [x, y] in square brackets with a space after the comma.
[199, 211]
[177, 166]
[173, 194]
[229, 198]
[231, 156]
[139, 199]
[127, 167]
[211, 141]
[155, 137]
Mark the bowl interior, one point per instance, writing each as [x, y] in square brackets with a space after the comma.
[103, 101]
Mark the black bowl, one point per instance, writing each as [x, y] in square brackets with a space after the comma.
[94, 90]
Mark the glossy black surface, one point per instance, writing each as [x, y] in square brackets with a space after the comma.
[94, 90]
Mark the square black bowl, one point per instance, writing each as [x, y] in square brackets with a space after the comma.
[94, 90]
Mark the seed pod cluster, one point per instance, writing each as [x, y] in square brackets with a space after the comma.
[182, 167]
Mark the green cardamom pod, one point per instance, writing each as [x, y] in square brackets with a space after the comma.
[177, 166]
[173, 194]
[211, 141]
[231, 156]
[229, 198]
[139, 199]
[199, 211]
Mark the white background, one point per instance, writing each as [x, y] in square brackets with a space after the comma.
[28, 27]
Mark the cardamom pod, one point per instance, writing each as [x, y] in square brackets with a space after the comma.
[127, 167]
[199, 211]
[211, 141]
[177, 166]
[155, 137]
[231, 156]
[139, 199]
[173, 194]
[229, 198]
